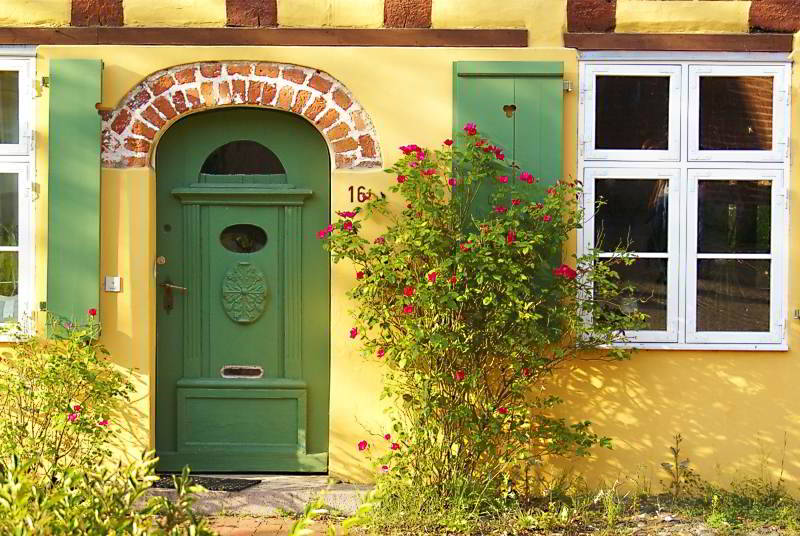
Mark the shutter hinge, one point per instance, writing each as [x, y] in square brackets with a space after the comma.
[43, 306]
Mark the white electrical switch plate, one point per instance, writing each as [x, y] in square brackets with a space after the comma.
[113, 283]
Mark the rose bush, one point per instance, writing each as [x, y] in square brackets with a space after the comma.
[470, 309]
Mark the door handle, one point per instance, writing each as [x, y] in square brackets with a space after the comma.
[169, 299]
[170, 286]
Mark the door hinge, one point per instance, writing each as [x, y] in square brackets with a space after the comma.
[43, 306]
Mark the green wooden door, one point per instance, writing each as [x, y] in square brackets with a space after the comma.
[243, 308]
[519, 106]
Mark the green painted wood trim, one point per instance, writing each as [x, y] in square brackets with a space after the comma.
[293, 284]
[185, 394]
[508, 68]
[241, 196]
[225, 461]
[273, 180]
[244, 383]
[73, 248]
[193, 333]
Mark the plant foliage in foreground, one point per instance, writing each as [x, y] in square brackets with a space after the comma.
[471, 316]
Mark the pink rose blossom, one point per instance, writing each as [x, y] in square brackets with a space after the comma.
[401, 179]
[384, 469]
[500, 209]
[551, 191]
[547, 217]
[452, 182]
[347, 214]
[387, 437]
[429, 171]
[459, 375]
[380, 352]
[432, 277]
[362, 445]
[526, 177]
[353, 333]
[395, 446]
[408, 309]
[502, 178]
[499, 154]
[470, 129]
[380, 240]
[347, 226]
[72, 417]
[104, 422]
[480, 143]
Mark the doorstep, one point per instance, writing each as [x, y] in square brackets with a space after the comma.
[275, 494]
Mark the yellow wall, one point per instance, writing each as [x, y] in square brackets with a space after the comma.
[684, 16]
[728, 405]
[342, 13]
[35, 12]
[174, 12]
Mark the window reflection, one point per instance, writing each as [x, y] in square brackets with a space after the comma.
[9, 107]
[632, 112]
[734, 216]
[736, 113]
[733, 295]
[634, 213]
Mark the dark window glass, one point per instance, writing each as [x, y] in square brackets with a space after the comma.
[733, 295]
[634, 210]
[736, 113]
[242, 157]
[243, 238]
[9, 209]
[9, 107]
[734, 216]
[649, 279]
[632, 112]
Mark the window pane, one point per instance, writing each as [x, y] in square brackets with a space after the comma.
[9, 206]
[649, 277]
[733, 295]
[242, 157]
[734, 216]
[9, 107]
[632, 112]
[9, 276]
[635, 210]
[736, 113]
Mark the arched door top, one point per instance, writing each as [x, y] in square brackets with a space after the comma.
[132, 128]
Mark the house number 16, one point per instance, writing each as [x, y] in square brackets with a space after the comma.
[361, 194]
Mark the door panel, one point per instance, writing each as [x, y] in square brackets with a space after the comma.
[242, 353]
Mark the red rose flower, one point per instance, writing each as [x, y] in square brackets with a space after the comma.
[387, 437]
[429, 171]
[500, 209]
[452, 182]
[359, 275]
[459, 375]
[448, 142]
[516, 202]
[502, 178]
[380, 240]
[347, 226]
[353, 333]
[502, 410]
[565, 271]
[547, 217]
[432, 277]
[408, 309]
[511, 237]
[401, 179]
[453, 280]
[551, 191]
[470, 129]
[526, 372]
[92, 312]
[395, 446]
[380, 352]
[362, 445]
[408, 291]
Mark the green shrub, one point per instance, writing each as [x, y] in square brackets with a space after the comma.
[471, 315]
[93, 501]
[59, 397]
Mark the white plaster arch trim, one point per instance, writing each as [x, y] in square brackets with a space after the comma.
[130, 130]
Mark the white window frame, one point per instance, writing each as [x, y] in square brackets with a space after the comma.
[673, 238]
[776, 256]
[20, 159]
[780, 94]
[589, 97]
[735, 64]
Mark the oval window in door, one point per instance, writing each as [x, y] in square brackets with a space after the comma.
[243, 238]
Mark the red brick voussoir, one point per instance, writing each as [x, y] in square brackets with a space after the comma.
[131, 130]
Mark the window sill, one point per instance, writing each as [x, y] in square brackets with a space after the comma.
[760, 347]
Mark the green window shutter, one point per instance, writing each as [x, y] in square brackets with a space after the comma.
[533, 136]
[73, 250]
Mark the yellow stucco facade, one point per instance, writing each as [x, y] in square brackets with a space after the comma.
[35, 12]
[731, 407]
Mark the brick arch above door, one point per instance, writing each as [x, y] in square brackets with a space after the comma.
[131, 129]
